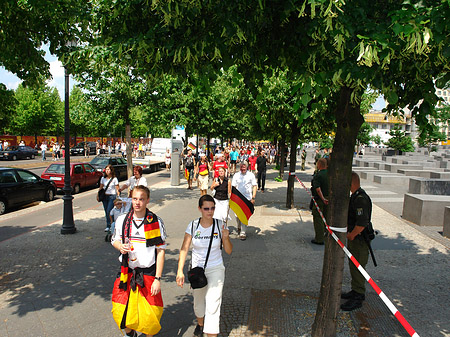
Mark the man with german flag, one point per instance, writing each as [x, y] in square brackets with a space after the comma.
[140, 237]
[242, 199]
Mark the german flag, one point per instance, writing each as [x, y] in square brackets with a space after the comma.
[191, 146]
[241, 206]
[186, 173]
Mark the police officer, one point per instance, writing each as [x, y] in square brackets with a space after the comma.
[359, 215]
[303, 159]
[320, 193]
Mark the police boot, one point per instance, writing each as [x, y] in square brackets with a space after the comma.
[351, 304]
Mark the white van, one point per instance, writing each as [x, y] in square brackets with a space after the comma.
[160, 146]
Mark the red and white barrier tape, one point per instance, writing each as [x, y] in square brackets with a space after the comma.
[380, 293]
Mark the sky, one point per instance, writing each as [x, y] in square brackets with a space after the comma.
[56, 69]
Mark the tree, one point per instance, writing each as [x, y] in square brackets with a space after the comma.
[81, 116]
[38, 111]
[399, 141]
[430, 133]
[7, 107]
[398, 48]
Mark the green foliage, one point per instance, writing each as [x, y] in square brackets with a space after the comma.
[399, 141]
[7, 107]
[376, 139]
[430, 133]
[38, 111]
[364, 134]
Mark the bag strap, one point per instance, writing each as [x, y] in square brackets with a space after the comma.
[109, 182]
[210, 242]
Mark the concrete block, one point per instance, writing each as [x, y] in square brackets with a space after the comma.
[379, 165]
[447, 222]
[440, 175]
[396, 180]
[416, 173]
[395, 167]
[425, 210]
[368, 175]
[429, 186]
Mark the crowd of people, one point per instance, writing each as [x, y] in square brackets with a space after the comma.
[139, 235]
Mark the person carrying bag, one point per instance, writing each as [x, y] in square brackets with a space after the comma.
[207, 274]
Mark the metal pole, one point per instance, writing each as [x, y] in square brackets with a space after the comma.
[68, 226]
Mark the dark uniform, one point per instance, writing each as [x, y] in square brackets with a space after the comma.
[303, 160]
[320, 180]
[359, 214]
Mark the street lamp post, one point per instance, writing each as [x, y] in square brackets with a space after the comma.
[68, 226]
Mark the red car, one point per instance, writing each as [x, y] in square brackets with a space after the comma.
[81, 175]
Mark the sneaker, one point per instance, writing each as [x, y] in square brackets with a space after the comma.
[317, 243]
[132, 333]
[198, 332]
[242, 236]
[107, 229]
[353, 295]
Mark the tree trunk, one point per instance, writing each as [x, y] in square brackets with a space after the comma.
[295, 133]
[282, 145]
[349, 120]
[129, 150]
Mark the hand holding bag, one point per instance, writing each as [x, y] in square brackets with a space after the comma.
[102, 193]
[196, 276]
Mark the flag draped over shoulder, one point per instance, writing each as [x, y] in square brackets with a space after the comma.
[186, 174]
[241, 206]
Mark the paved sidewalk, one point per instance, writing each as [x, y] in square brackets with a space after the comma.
[55, 285]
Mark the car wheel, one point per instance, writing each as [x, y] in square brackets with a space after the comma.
[76, 189]
[14, 157]
[50, 195]
[2, 207]
[32, 156]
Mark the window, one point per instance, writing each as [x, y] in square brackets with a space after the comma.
[88, 168]
[7, 177]
[27, 176]
[78, 169]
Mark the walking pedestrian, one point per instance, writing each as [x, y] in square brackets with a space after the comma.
[221, 188]
[167, 159]
[189, 164]
[207, 236]
[359, 220]
[220, 162]
[245, 182]
[234, 156]
[261, 166]
[136, 180]
[43, 150]
[110, 184]
[320, 193]
[201, 173]
[140, 238]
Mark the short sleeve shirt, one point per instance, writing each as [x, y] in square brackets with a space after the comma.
[321, 180]
[146, 256]
[216, 166]
[244, 183]
[132, 182]
[359, 210]
[200, 243]
[112, 186]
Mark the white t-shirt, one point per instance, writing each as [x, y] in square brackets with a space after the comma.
[244, 183]
[112, 187]
[115, 212]
[200, 244]
[146, 256]
[132, 182]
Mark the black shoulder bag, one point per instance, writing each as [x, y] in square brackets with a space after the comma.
[102, 192]
[196, 276]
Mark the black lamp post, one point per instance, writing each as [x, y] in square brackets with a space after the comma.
[68, 226]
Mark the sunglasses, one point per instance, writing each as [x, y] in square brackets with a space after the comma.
[209, 208]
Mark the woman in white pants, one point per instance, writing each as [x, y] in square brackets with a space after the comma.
[207, 300]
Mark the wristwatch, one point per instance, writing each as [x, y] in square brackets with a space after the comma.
[158, 278]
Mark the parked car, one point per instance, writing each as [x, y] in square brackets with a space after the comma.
[82, 175]
[15, 152]
[79, 148]
[119, 164]
[19, 187]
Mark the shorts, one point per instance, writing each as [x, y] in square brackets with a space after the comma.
[191, 172]
[232, 161]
